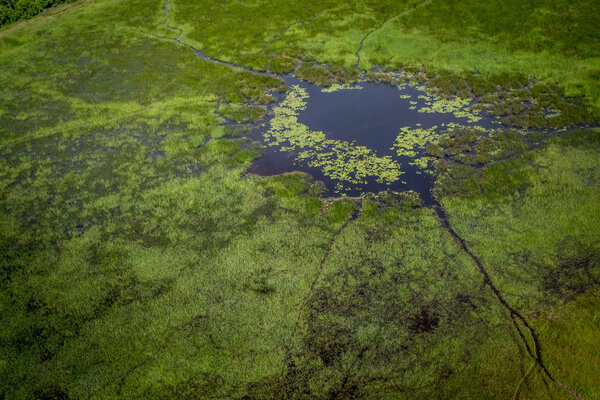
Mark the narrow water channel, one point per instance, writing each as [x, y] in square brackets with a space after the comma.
[373, 135]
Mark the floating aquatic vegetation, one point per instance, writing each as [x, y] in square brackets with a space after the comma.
[460, 107]
[411, 142]
[423, 163]
[340, 160]
[353, 160]
[456, 106]
[452, 125]
[337, 86]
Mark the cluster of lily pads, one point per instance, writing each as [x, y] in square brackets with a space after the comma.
[339, 160]
[352, 164]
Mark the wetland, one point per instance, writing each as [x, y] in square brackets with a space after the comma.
[362, 137]
[299, 200]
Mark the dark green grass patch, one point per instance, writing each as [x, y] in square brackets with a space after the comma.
[15, 10]
[381, 305]
[315, 74]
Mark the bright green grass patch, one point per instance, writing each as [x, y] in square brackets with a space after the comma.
[434, 36]
[246, 33]
[578, 319]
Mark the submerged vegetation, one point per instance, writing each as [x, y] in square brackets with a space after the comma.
[139, 259]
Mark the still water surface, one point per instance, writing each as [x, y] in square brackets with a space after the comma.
[371, 116]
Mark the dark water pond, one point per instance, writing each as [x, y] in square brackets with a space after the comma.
[371, 116]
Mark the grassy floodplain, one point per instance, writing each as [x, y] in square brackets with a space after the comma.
[138, 259]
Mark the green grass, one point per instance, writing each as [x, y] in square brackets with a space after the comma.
[381, 315]
[552, 41]
[246, 33]
[539, 40]
[531, 221]
[138, 260]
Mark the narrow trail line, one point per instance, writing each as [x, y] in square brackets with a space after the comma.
[523, 379]
[568, 389]
[514, 314]
[402, 14]
[169, 27]
[286, 30]
[352, 217]
[277, 36]
[203, 56]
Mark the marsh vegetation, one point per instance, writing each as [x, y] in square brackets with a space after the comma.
[150, 248]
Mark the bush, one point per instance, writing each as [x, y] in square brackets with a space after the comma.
[6, 15]
[23, 9]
